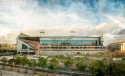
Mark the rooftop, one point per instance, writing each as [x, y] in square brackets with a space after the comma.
[67, 37]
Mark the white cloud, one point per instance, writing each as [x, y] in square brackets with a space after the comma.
[104, 28]
[28, 17]
[119, 20]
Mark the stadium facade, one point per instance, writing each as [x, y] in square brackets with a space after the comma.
[55, 45]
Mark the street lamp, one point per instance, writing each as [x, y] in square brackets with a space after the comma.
[32, 67]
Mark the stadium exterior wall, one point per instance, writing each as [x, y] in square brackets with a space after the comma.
[54, 46]
[54, 53]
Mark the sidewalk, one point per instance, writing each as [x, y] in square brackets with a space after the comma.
[11, 73]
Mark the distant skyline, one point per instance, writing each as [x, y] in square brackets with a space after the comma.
[59, 17]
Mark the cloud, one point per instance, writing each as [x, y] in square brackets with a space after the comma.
[59, 17]
[121, 32]
[120, 20]
[104, 28]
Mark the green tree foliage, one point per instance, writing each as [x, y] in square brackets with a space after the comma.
[68, 63]
[115, 69]
[42, 62]
[24, 61]
[108, 69]
[54, 60]
[53, 64]
[17, 61]
[11, 61]
[97, 68]
[4, 61]
[118, 69]
[32, 63]
[80, 65]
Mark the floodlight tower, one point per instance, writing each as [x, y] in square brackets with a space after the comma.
[42, 33]
[72, 33]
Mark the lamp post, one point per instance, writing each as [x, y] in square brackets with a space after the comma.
[32, 67]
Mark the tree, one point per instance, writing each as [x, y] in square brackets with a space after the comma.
[108, 69]
[118, 54]
[11, 62]
[53, 64]
[24, 61]
[80, 65]
[115, 69]
[97, 68]
[54, 60]
[68, 63]
[42, 62]
[108, 51]
[18, 62]
[118, 69]
[4, 61]
[32, 63]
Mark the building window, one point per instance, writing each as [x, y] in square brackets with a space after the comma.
[24, 46]
[30, 48]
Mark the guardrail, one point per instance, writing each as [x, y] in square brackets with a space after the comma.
[48, 70]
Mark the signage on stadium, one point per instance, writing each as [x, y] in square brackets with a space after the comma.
[36, 46]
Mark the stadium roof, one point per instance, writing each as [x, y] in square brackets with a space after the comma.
[23, 35]
[27, 37]
[67, 37]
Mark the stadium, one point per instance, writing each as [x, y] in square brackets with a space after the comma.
[56, 45]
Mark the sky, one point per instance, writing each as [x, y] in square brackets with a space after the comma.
[59, 17]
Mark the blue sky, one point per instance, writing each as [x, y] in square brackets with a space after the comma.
[58, 17]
